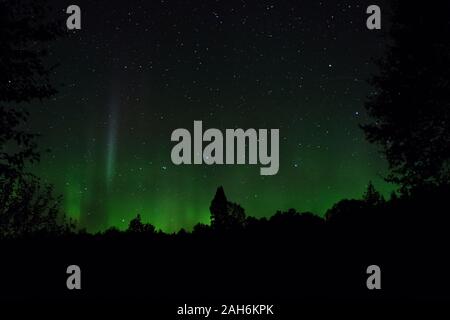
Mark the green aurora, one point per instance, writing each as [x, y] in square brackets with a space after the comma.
[103, 188]
[123, 88]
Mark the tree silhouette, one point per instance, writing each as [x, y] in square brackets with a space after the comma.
[218, 209]
[136, 226]
[345, 212]
[371, 196]
[225, 215]
[26, 205]
[410, 103]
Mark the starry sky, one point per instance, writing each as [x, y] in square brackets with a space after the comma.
[137, 70]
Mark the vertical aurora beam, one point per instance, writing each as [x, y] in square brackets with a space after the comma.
[111, 147]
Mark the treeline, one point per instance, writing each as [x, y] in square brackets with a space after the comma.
[409, 113]
[230, 218]
[372, 217]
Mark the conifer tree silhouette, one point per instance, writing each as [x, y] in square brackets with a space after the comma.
[218, 209]
[371, 196]
[225, 215]
[410, 102]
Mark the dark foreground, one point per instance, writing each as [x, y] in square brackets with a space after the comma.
[297, 262]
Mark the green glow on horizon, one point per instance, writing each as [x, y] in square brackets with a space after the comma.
[172, 197]
[72, 200]
[126, 90]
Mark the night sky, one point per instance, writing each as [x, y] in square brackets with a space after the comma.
[137, 70]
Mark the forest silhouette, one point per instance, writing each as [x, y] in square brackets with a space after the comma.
[289, 255]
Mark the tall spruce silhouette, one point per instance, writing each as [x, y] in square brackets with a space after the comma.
[225, 215]
[218, 209]
[26, 205]
[371, 196]
[410, 103]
